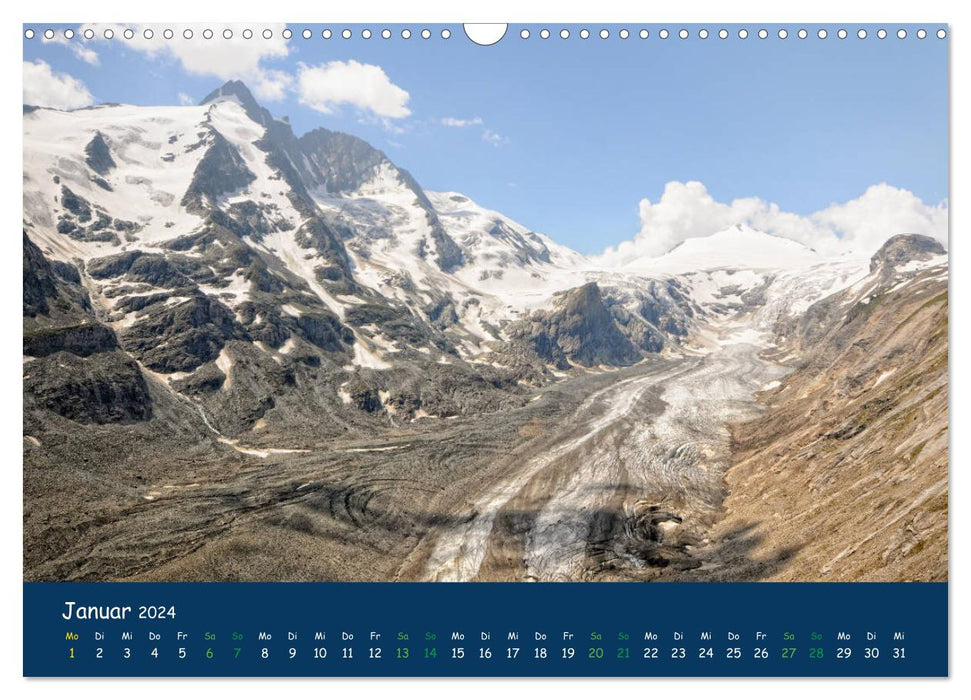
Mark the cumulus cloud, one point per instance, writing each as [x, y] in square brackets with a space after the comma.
[235, 58]
[361, 85]
[45, 88]
[686, 210]
[456, 123]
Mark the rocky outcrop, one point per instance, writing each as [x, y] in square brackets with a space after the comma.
[103, 388]
[580, 329]
[180, 337]
[905, 248]
[221, 171]
[83, 340]
[98, 155]
[342, 163]
[73, 367]
[52, 291]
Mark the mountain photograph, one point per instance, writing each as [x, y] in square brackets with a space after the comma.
[256, 348]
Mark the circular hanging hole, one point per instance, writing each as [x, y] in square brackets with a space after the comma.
[346, 34]
[68, 33]
[841, 33]
[247, 33]
[207, 34]
[488, 34]
[385, 33]
[763, 34]
[187, 34]
[48, 33]
[227, 33]
[267, 34]
[783, 33]
[703, 34]
[168, 34]
[564, 33]
[327, 34]
[901, 33]
[544, 33]
[426, 34]
[89, 34]
[683, 34]
[941, 34]
[624, 33]
[604, 34]
[822, 34]
[644, 34]
[129, 33]
[524, 34]
[148, 34]
[861, 33]
[287, 34]
[663, 34]
[109, 34]
[881, 34]
[584, 33]
[921, 33]
[28, 33]
[446, 33]
[405, 33]
[722, 33]
[802, 33]
[743, 33]
[366, 34]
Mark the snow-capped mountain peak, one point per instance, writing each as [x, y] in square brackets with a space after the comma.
[494, 241]
[739, 247]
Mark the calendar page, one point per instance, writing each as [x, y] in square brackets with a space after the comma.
[485, 350]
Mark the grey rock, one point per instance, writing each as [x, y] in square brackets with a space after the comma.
[904, 248]
[104, 388]
[580, 329]
[83, 339]
[99, 155]
[181, 337]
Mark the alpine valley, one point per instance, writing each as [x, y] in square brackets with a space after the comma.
[255, 356]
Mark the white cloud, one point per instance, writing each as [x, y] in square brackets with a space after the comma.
[487, 134]
[45, 88]
[227, 59]
[186, 99]
[270, 85]
[85, 54]
[77, 45]
[491, 137]
[456, 123]
[361, 85]
[687, 210]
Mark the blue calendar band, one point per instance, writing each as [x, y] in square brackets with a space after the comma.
[485, 629]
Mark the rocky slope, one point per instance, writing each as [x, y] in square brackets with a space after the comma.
[845, 477]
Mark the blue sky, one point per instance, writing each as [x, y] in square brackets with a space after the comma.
[568, 136]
